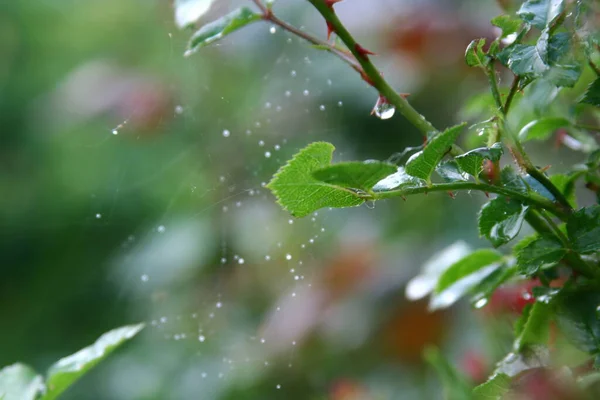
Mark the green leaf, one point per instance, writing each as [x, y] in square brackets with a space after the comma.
[542, 129]
[583, 228]
[464, 275]
[542, 252]
[472, 161]
[450, 172]
[218, 29]
[355, 175]
[63, 373]
[423, 163]
[500, 220]
[187, 12]
[566, 185]
[508, 24]
[541, 13]
[512, 180]
[493, 389]
[536, 330]
[531, 357]
[486, 288]
[20, 382]
[399, 179]
[592, 94]
[577, 317]
[454, 384]
[474, 55]
[298, 192]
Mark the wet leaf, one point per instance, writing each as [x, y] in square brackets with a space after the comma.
[472, 161]
[298, 192]
[577, 317]
[66, 371]
[422, 164]
[20, 382]
[450, 172]
[500, 220]
[583, 229]
[541, 13]
[474, 55]
[512, 180]
[566, 185]
[514, 363]
[542, 252]
[397, 180]
[486, 288]
[494, 388]
[355, 175]
[220, 28]
[536, 329]
[592, 94]
[542, 129]
[508, 24]
[187, 12]
[464, 275]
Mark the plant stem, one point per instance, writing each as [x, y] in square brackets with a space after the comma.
[513, 90]
[530, 198]
[491, 73]
[372, 73]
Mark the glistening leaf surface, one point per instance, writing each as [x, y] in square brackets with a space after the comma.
[422, 164]
[66, 371]
[577, 317]
[543, 128]
[539, 253]
[583, 229]
[592, 94]
[300, 193]
[472, 161]
[355, 175]
[20, 382]
[541, 13]
[188, 12]
[500, 220]
[218, 29]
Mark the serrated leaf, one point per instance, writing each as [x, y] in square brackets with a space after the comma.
[508, 24]
[543, 128]
[592, 94]
[577, 317]
[500, 220]
[541, 13]
[424, 283]
[397, 180]
[450, 172]
[512, 180]
[63, 373]
[472, 161]
[20, 382]
[583, 228]
[355, 175]
[220, 28]
[493, 389]
[474, 55]
[536, 329]
[454, 384]
[423, 163]
[541, 252]
[566, 185]
[187, 12]
[464, 275]
[298, 192]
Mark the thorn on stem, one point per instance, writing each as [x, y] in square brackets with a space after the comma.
[330, 29]
[452, 195]
[362, 51]
[331, 3]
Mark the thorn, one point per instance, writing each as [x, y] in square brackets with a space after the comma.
[452, 195]
[362, 51]
[546, 168]
[403, 198]
[404, 95]
[487, 194]
[330, 29]
[331, 3]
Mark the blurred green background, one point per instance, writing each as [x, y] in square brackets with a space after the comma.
[132, 190]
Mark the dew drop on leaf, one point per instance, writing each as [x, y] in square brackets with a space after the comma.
[481, 303]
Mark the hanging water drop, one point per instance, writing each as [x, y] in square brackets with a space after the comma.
[115, 132]
[98, 216]
[201, 338]
[306, 92]
[481, 302]
[288, 257]
[273, 30]
[383, 109]
[226, 133]
[267, 154]
[322, 107]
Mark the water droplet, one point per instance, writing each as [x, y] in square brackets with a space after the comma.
[526, 296]
[481, 302]
[219, 304]
[278, 386]
[98, 216]
[178, 109]
[203, 375]
[290, 221]
[262, 340]
[226, 133]
[161, 229]
[261, 143]
[598, 312]
[273, 30]
[268, 105]
[277, 147]
[201, 338]
[267, 257]
[223, 260]
[306, 92]
[163, 320]
[294, 294]
[322, 107]
[144, 278]
[383, 109]
[340, 103]
[288, 93]
[288, 257]
[115, 132]
[241, 261]
[296, 278]
[268, 154]
[293, 73]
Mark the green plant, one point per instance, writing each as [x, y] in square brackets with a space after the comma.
[551, 49]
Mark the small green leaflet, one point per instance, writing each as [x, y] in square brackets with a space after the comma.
[493, 389]
[300, 193]
[576, 316]
[512, 180]
[187, 12]
[472, 161]
[423, 163]
[583, 229]
[463, 275]
[450, 172]
[20, 382]
[536, 330]
[539, 253]
[66, 371]
[397, 180]
[355, 175]
[216, 30]
[566, 185]
[508, 24]
[543, 128]
[541, 13]
[474, 55]
[500, 220]
[592, 94]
